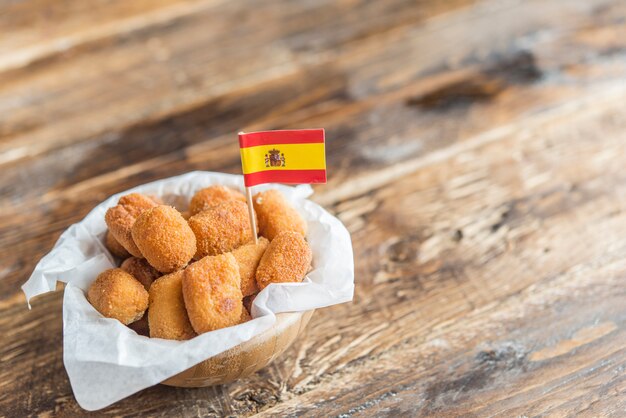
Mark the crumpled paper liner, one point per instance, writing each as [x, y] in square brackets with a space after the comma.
[106, 361]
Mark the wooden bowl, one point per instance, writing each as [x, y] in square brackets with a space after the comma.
[246, 358]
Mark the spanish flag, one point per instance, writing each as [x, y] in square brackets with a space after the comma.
[293, 156]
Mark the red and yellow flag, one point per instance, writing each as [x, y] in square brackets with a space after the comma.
[291, 156]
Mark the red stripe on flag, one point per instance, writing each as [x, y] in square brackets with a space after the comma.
[285, 176]
[299, 136]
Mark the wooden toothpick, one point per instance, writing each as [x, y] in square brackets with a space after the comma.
[251, 213]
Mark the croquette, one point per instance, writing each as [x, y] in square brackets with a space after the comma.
[248, 257]
[212, 294]
[221, 228]
[141, 270]
[167, 316]
[275, 215]
[164, 238]
[117, 294]
[114, 246]
[210, 196]
[187, 273]
[287, 259]
[120, 219]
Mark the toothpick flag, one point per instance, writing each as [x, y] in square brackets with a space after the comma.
[291, 156]
[295, 156]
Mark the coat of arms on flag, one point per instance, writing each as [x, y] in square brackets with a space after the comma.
[274, 158]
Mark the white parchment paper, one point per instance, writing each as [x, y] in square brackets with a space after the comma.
[106, 361]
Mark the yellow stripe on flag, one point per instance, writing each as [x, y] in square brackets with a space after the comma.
[296, 157]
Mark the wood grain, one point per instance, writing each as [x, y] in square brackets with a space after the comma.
[475, 152]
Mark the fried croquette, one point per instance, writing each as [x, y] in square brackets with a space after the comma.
[167, 316]
[117, 294]
[141, 326]
[210, 196]
[164, 238]
[287, 259]
[276, 215]
[212, 294]
[248, 257]
[120, 219]
[114, 246]
[141, 270]
[221, 228]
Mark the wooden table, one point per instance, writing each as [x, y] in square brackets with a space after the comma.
[476, 152]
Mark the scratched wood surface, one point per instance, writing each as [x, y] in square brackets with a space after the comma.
[476, 153]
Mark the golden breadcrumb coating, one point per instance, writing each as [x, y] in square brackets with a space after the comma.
[141, 326]
[248, 257]
[210, 196]
[167, 316]
[212, 294]
[164, 238]
[117, 294]
[287, 259]
[120, 219]
[141, 270]
[276, 215]
[114, 246]
[221, 228]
